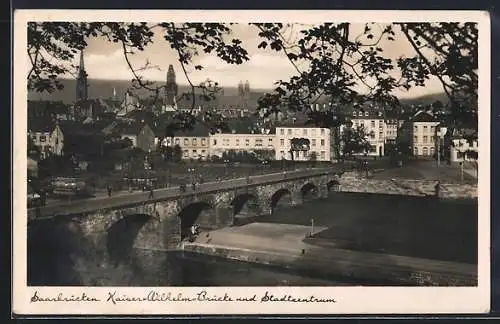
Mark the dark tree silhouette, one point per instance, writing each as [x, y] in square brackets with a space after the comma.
[354, 141]
[299, 144]
[354, 68]
[331, 62]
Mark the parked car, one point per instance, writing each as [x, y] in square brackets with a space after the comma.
[34, 199]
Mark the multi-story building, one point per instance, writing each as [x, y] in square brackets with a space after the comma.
[141, 135]
[47, 136]
[194, 143]
[391, 129]
[374, 127]
[319, 143]
[424, 128]
[238, 142]
[420, 134]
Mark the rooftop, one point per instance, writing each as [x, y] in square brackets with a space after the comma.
[423, 117]
[70, 127]
[41, 125]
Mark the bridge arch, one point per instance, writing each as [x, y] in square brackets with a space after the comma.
[122, 234]
[307, 189]
[239, 202]
[190, 214]
[51, 245]
[278, 195]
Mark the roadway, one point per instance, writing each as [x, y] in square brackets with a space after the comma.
[125, 198]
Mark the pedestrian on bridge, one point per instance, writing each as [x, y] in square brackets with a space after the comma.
[43, 197]
[437, 189]
[109, 190]
[151, 193]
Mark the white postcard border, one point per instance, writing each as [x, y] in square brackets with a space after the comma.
[348, 300]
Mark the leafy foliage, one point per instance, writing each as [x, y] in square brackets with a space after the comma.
[299, 144]
[354, 141]
[171, 153]
[331, 60]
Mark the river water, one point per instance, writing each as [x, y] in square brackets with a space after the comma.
[408, 226]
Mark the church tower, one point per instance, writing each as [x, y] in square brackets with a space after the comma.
[171, 89]
[247, 90]
[81, 82]
[241, 90]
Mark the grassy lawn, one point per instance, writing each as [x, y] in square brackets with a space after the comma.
[410, 226]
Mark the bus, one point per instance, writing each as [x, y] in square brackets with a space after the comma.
[71, 186]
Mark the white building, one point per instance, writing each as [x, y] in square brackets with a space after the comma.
[194, 143]
[224, 142]
[319, 143]
[424, 132]
[391, 129]
[47, 136]
[461, 148]
[375, 129]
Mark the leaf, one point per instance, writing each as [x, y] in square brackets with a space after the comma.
[369, 36]
[262, 45]
[198, 67]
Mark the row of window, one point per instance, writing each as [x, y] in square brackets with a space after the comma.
[372, 124]
[366, 113]
[313, 142]
[44, 139]
[425, 151]
[304, 132]
[425, 128]
[194, 141]
[303, 154]
[41, 138]
[425, 139]
[185, 153]
[258, 142]
[392, 133]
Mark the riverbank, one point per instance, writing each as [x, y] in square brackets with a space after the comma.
[283, 245]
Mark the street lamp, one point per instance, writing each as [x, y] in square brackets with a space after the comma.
[438, 138]
[226, 163]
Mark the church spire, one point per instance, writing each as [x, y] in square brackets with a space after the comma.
[170, 88]
[81, 81]
[82, 63]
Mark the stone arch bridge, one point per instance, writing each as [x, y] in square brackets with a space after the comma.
[160, 223]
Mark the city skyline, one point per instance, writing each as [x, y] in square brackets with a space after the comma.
[105, 60]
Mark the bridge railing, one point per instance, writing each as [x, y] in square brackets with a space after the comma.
[136, 198]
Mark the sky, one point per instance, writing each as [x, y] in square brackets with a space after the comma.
[105, 60]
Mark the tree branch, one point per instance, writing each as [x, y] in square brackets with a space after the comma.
[429, 65]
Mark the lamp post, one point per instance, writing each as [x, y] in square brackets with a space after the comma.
[190, 172]
[226, 162]
[312, 226]
[438, 138]
[462, 171]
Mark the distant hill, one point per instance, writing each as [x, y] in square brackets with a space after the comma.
[426, 100]
[103, 89]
